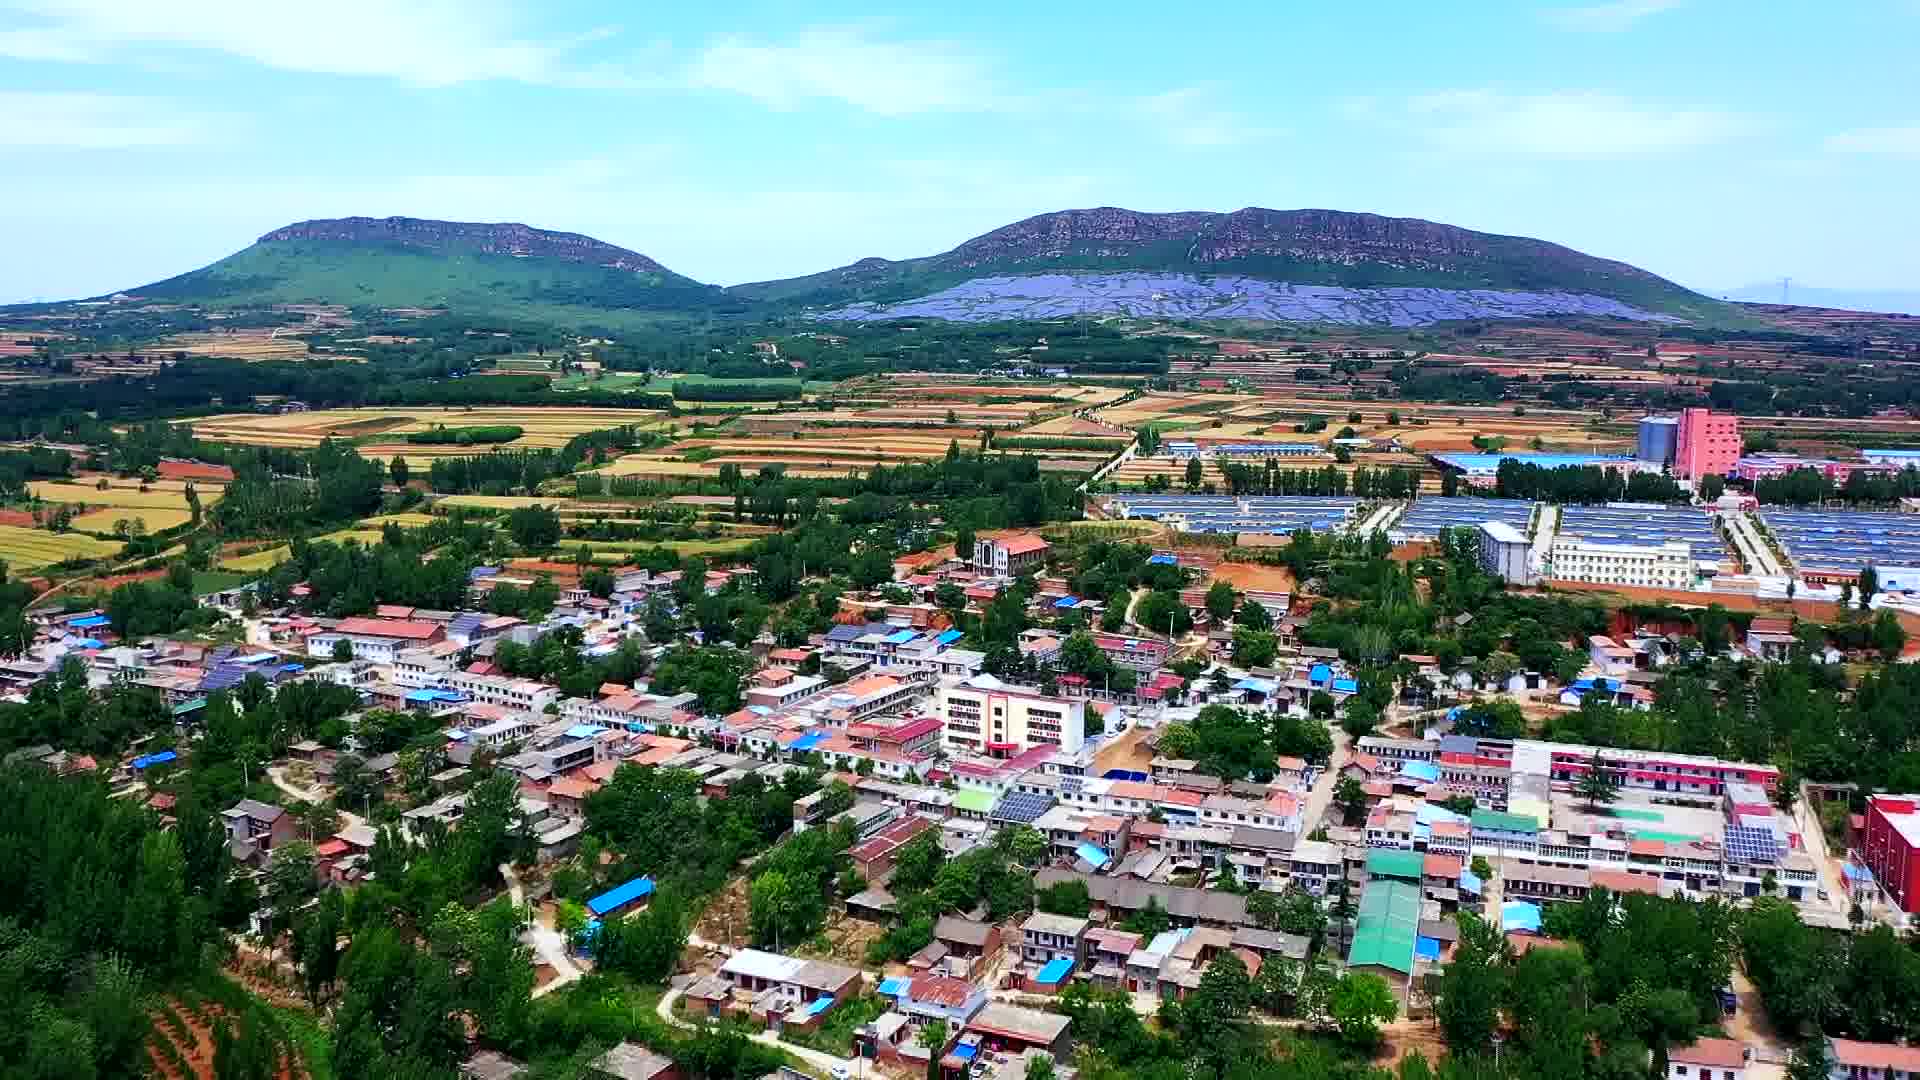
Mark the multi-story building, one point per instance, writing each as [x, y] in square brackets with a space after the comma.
[1708, 444]
[983, 715]
[261, 825]
[378, 640]
[1009, 556]
[525, 695]
[1045, 938]
[1653, 566]
[1893, 847]
[1505, 552]
[1138, 654]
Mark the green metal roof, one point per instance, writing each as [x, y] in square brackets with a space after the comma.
[1394, 863]
[973, 801]
[1388, 923]
[1494, 819]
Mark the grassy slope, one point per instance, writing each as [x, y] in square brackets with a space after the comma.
[371, 276]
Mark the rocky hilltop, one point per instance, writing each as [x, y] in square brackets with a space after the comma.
[506, 238]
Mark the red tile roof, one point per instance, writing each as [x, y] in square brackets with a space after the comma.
[1021, 545]
[1713, 1053]
[1621, 881]
[389, 628]
[1849, 1053]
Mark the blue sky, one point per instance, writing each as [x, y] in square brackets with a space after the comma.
[1712, 141]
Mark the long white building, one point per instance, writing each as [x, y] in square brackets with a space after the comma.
[1654, 566]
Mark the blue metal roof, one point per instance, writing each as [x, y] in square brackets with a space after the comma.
[965, 1051]
[1427, 948]
[893, 987]
[1258, 686]
[90, 643]
[1471, 882]
[89, 621]
[1424, 771]
[584, 731]
[900, 637]
[1095, 856]
[1346, 686]
[819, 1005]
[809, 741]
[1066, 601]
[1520, 915]
[1319, 673]
[1056, 971]
[161, 758]
[948, 637]
[621, 896]
[1163, 560]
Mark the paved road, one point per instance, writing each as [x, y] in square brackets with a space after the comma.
[1321, 795]
[549, 944]
[278, 776]
[1753, 547]
[1380, 518]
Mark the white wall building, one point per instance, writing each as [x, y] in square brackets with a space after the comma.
[1653, 566]
[1504, 551]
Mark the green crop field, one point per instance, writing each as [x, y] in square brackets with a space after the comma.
[28, 549]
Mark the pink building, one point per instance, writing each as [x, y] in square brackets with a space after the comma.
[1709, 444]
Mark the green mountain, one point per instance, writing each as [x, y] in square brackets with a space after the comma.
[1297, 247]
[397, 262]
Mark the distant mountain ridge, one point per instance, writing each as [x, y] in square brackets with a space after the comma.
[506, 269]
[504, 238]
[1253, 263]
[1305, 247]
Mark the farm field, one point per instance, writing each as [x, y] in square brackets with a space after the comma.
[258, 561]
[28, 549]
[818, 452]
[152, 519]
[265, 343]
[160, 495]
[545, 426]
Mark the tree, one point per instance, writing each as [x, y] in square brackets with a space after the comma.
[290, 881]
[1149, 920]
[1869, 584]
[1360, 1003]
[343, 651]
[1068, 897]
[1811, 1060]
[1194, 473]
[1221, 600]
[399, 471]
[1350, 797]
[534, 528]
[1597, 785]
[1469, 991]
[1888, 636]
[933, 1035]
[1177, 741]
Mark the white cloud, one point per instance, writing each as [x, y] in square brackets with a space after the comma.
[425, 42]
[1897, 141]
[1589, 124]
[847, 64]
[1195, 118]
[53, 120]
[1609, 17]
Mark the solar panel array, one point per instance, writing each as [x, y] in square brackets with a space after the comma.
[1754, 845]
[1249, 513]
[1021, 807]
[1844, 541]
[1427, 516]
[1620, 523]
